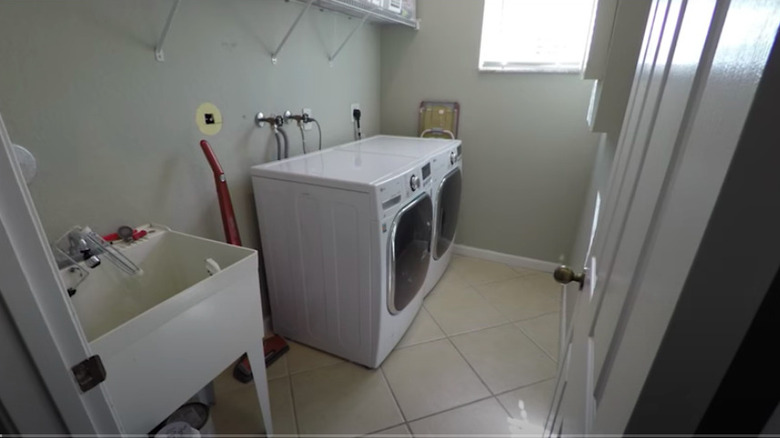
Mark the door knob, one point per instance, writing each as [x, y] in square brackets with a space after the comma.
[565, 275]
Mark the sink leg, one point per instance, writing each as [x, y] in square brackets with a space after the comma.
[257, 362]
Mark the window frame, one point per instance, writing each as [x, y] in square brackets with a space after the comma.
[535, 67]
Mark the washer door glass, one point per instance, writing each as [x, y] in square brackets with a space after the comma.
[409, 252]
[448, 207]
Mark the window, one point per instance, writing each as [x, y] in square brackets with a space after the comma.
[535, 35]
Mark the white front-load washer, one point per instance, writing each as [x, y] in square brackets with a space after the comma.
[346, 238]
[445, 156]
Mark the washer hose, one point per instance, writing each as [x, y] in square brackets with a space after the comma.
[319, 131]
[286, 143]
[303, 138]
[278, 144]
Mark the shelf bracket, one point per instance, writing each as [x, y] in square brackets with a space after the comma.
[332, 57]
[275, 55]
[158, 49]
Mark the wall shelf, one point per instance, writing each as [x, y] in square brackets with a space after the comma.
[366, 10]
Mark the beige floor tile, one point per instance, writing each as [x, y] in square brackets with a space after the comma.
[536, 399]
[423, 329]
[485, 417]
[394, 432]
[520, 298]
[526, 271]
[450, 280]
[430, 378]
[277, 369]
[504, 357]
[544, 331]
[226, 383]
[237, 410]
[282, 412]
[477, 271]
[302, 358]
[463, 310]
[544, 283]
[343, 399]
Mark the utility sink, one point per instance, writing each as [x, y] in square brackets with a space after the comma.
[165, 333]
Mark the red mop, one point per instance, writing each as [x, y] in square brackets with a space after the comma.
[275, 346]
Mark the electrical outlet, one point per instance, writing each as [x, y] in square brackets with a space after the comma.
[352, 108]
[307, 126]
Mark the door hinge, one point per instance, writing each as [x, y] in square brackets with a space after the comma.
[89, 373]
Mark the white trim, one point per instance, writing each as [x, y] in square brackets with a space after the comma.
[36, 299]
[508, 259]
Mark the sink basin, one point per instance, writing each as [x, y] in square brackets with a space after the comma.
[164, 334]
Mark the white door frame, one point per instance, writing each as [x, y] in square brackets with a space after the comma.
[36, 299]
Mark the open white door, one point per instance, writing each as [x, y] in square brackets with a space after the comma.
[698, 71]
[35, 297]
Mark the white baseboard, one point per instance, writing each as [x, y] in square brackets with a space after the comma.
[508, 259]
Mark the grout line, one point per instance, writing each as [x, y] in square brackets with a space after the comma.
[537, 316]
[420, 343]
[500, 324]
[450, 409]
[537, 345]
[392, 393]
[294, 410]
[470, 366]
[341, 361]
[384, 429]
[509, 414]
[525, 386]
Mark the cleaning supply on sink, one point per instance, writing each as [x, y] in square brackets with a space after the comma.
[126, 234]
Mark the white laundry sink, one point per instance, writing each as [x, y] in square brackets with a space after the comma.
[164, 334]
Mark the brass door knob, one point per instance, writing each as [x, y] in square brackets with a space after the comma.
[565, 275]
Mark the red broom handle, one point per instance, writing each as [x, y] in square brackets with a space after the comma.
[225, 204]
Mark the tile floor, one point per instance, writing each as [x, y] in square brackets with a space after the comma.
[486, 338]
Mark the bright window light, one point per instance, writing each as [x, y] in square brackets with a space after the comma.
[535, 35]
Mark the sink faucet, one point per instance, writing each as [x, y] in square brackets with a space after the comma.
[80, 250]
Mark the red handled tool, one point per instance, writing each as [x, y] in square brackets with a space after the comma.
[225, 204]
[275, 346]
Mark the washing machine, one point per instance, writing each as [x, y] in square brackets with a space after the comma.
[445, 157]
[346, 238]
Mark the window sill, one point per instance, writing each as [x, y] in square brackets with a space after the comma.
[560, 69]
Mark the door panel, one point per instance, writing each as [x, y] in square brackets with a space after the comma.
[658, 154]
[675, 68]
[35, 297]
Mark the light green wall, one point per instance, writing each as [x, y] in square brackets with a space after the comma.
[528, 153]
[114, 130]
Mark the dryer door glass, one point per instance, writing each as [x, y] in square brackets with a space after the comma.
[409, 252]
[448, 207]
